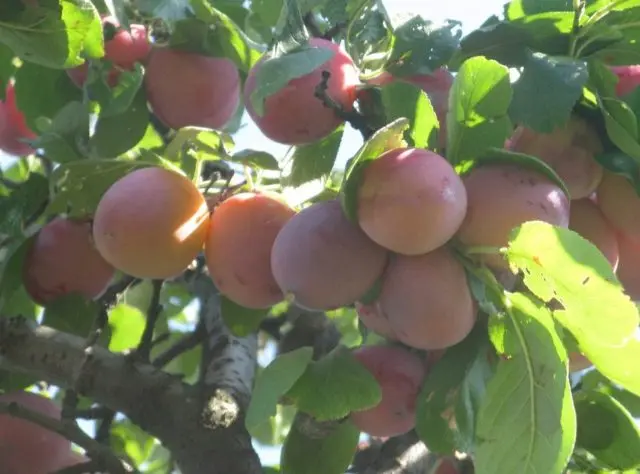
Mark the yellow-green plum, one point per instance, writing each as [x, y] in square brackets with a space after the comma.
[620, 204]
[322, 261]
[587, 220]
[501, 197]
[427, 301]
[411, 201]
[294, 115]
[400, 374]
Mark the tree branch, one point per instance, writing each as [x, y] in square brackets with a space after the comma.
[185, 344]
[143, 351]
[72, 432]
[404, 454]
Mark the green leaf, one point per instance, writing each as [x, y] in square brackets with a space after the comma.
[55, 34]
[334, 386]
[526, 423]
[621, 163]
[7, 68]
[77, 187]
[256, 159]
[500, 155]
[42, 91]
[72, 313]
[421, 46]
[274, 381]
[328, 455]
[275, 72]
[169, 10]
[127, 324]
[13, 381]
[116, 134]
[384, 139]
[11, 270]
[560, 264]
[241, 321]
[67, 134]
[621, 125]
[23, 204]
[607, 430]
[274, 430]
[113, 100]
[315, 160]
[129, 441]
[450, 389]
[594, 380]
[547, 91]
[478, 105]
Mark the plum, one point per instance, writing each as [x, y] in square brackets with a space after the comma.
[570, 150]
[400, 375]
[374, 319]
[323, 261]
[628, 78]
[411, 201]
[501, 197]
[427, 301]
[628, 271]
[189, 89]
[586, 219]
[26, 447]
[294, 115]
[242, 231]
[13, 126]
[62, 260]
[619, 202]
[151, 223]
[124, 49]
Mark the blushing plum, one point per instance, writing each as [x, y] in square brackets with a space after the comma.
[63, 259]
[427, 301]
[242, 231]
[620, 204]
[411, 201]
[189, 89]
[503, 196]
[323, 261]
[294, 115]
[628, 78]
[151, 223]
[374, 319]
[587, 220]
[400, 374]
[629, 267]
[13, 126]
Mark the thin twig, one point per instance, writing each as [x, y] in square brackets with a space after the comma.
[185, 344]
[72, 432]
[103, 433]
[143, 350]
[9, 184]
[93, 413]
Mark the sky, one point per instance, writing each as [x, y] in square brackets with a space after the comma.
[472, 13]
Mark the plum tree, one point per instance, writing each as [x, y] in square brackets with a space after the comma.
[436, 85]
[427, 301]
[294, 115]
[122, 47]
[374, 319]
[26, 447]
[242, 231]
[411, 201]
[569, 150]
[629, 266]
[503, 196]
[586, 219]
[400, 374]
[189, 89]
[628, 78]
[62, 260]
[13, 126]
[323, 261]
[620, 204]
[151, 223]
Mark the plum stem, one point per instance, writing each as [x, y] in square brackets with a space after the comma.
[183, 345]
[356, 119]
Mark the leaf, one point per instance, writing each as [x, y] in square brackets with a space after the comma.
[384, 139]
[478, 105]
[526, 423]
[77, 187]
[11, 270]
[256, 159]
[547, 91]
[241, 321]
[500, 155]
[315, 160]
[274, 73]
[594, 380]
[607, 430]
[169, 10]
[560, 264]
[23, 204]
[116, 134]
[334, 386]
[621, 125]
[7, 68]
[71, 313]
[446, 390]
[328, 455]
[275, 380]
[67, 134]
[55, 33]
[14, 381]
[42, 91]
[127, 324]
[421, 46]
[117, 99]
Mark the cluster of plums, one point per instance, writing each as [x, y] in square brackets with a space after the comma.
[26, 447]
